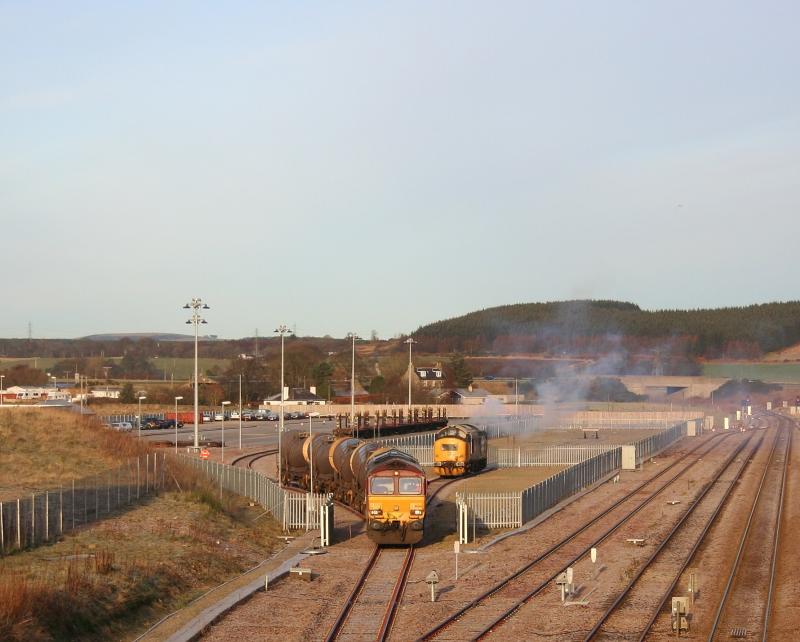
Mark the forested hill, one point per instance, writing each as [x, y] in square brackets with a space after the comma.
[592, 327]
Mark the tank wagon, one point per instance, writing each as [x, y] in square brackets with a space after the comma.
[458, 450]
[384, 484]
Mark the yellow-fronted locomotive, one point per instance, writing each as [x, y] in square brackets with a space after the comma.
[458, 450]
[386, 485]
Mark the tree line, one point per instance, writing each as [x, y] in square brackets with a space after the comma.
[599, 327]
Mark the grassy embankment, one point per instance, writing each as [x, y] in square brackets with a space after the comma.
[110, 579]
[767, 372]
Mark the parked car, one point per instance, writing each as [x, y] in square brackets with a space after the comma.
[248, 415]
[159, 424]
[121, 426]
[208, 416]
[272, 416]
[218, 416]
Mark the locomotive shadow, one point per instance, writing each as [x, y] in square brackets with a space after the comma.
[440, 521]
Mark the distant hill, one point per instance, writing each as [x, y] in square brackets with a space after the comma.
[135, 336]
[596, 327]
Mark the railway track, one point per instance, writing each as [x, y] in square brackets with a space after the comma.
[745, 604]
[491, 608]
[385, 575]
[249, 459]
[623, 619]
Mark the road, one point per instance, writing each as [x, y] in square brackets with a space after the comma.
[254, 433]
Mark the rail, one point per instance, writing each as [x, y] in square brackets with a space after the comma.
[745, 540]
[481, 599]
[625, 593]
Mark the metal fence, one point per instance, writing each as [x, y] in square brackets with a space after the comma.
[114, 419]
[633, 420]
[294, 510]
[542, 496]
[561, 455]
[512, 510]
[651, 446]
[41, 517]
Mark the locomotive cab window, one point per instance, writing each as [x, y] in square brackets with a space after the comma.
[381, 486]
[410, 486]
[450, 447]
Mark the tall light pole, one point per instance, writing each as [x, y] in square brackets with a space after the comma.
[195, 306]
[2, 389]
[311, 451]
[177, 399]
[410, 342]
[353, 336]
[281, 330]
[224, 403]
[141, 398]
[240, 412]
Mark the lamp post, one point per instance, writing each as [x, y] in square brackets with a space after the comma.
[224, 403]
[410, 342]
[311, 452]
[281, 330]
[140, 398]
[177, 399]
[353, 336]
[195, 306]
[240, 412]
[2, 389]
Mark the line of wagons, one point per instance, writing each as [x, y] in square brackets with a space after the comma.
[383, 483]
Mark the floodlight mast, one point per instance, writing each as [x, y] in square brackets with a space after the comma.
[196, 320]
[281, 330]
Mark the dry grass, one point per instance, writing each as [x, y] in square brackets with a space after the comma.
[127, 571]
[116, 575]
[42, 448]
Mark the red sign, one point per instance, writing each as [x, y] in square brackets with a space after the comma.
[204, 454]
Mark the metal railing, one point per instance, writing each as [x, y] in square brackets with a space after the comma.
[44, 516]
[294, 510]
[512, 510]
[114, 419]
[651, 446]
[562, 455]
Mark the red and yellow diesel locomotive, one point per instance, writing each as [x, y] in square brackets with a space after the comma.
[386, 485]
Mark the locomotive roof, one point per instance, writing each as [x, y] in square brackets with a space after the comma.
[458, 430]
[394, 459]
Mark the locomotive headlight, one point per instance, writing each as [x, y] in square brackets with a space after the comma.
[416, 511]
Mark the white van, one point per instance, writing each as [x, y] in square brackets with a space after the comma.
[122, 426]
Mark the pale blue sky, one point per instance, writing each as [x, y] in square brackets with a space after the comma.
[381, 165]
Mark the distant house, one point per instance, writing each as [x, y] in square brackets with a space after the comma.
[426, 376]
[299, 396]
[476, 396]
[106, 392]
[27, 393]
[340, 393]
[468, 396]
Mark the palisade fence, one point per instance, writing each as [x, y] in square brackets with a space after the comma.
[294, 510]
[651, 446]
[44, 516]
[513, 509]
[494, 429]
[114, 419]
[561, 455]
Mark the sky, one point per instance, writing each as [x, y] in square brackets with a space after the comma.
[359, 166]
